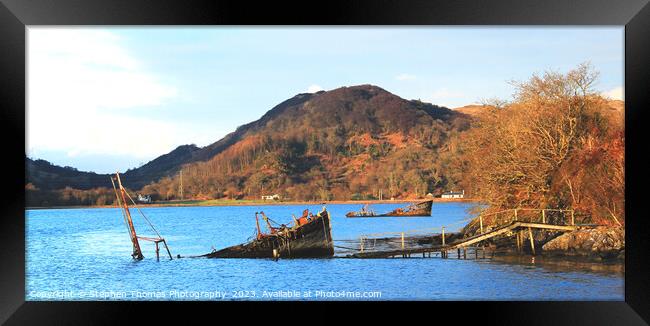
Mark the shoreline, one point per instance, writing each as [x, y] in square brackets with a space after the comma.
[257, 202]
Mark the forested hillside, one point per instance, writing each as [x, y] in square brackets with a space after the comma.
[556, 144]
[348, 143]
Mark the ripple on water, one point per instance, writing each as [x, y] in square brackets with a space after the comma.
[89, 250]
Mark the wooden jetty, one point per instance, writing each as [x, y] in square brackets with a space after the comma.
[513, 224]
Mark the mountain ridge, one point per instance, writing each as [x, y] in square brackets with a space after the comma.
[349, 142]
[339, 102]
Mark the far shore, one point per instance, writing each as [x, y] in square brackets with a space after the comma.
[258, 202]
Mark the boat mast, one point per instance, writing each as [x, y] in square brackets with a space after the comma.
[137, 253]
[257, 221]
[266, 219]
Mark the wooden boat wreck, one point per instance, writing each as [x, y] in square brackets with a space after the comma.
[418, 209]
[309, 237]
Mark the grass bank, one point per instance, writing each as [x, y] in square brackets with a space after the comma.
[257, 202]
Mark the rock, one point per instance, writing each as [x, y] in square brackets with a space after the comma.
[605, 242]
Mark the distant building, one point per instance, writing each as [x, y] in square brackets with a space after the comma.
[453, 194]
[144, 199]
[271, 197]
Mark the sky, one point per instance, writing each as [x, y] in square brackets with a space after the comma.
[108, 99]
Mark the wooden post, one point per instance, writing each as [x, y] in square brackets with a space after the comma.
[402, 240]
[515, 214]
[573, 218]
[167, 248]
[137, 253]
[443, 236]
[517, 240]
[458, 253]
[361, 243]
[157, 251]
[532, 241]
[544, 216]
[464, 253]
[480, 219]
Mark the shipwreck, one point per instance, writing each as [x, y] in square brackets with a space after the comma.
[308, 237]
[418, 209]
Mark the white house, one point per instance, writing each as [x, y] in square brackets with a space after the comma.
[453, 194]
[271, 197]
[144, 199]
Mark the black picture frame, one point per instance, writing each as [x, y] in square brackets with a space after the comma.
[16, 14]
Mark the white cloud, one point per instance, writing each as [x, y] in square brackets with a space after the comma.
[445, 93]
[405, 77]
[446, 97]
[616, 93]
[314, 88]
[83, 91]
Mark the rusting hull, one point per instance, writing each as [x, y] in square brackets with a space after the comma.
[353, 214]
[312, 240]
[420, 209]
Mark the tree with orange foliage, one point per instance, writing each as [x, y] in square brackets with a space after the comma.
[532, 152]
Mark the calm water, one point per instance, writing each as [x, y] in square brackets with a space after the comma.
[84, 254]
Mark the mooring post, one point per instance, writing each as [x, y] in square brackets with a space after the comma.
[464, 253]
[167, 248]
[480, 219]
[532, 241]
[573, 218]
[361, 243]
[458, 253]
[443, 236]
[544, 216]
[402, 240]
[157, 252]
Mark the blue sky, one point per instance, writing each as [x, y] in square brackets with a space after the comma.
[108, 99]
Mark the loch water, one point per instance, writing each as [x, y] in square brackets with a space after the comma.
[84, 254]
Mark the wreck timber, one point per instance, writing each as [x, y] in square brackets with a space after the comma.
[310, 237]
[121, 196]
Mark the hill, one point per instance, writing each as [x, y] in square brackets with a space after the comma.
[351, 142]
[41, 174]
[348, 143]
[472, 109]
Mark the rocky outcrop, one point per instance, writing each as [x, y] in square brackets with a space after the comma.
[601, 242]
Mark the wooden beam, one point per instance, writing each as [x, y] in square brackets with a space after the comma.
[137, 253]
[443, 236]
[532, 241]
[548, 226]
